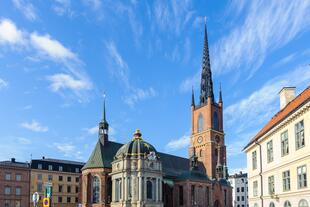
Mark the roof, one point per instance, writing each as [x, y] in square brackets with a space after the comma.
[239, 175]
[60, 161]
[291, 107]
[14, 164]
[103, 155]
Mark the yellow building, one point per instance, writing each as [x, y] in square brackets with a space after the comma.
[62, 174]
[278, 157]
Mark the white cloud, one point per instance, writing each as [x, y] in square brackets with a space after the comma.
[267, 27]
[62, 7]
[9, 34]
[63, 81]
[24, 141]
[177, 144]
[3, 84]
[139, 95]
[238, 170]
[34, 126]
[51, 47]
[94, 4]
[68, 150]
[26, 8]
[92, 130]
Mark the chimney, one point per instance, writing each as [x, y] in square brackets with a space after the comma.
[287, 94]
[12, 159]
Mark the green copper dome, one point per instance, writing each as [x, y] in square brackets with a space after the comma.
[136, 147]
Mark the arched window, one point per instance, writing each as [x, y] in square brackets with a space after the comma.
[200, 153]
[118, 189]
[303, 203]
[271, 204]
[96, 189]
[149, 189]
[215, 121]
[287, 204]
[200, 123]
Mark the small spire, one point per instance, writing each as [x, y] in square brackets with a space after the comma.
[104, 116]
[193, 97]
[220, 94]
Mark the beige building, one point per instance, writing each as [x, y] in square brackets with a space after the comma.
[62, 174]
[278, 157]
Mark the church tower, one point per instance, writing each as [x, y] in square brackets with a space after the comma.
[207, 136]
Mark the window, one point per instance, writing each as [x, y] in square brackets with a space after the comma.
[254, 160]
[69, 179]
[6, 203]
[60, 178]
[7, 176]
[269, 151]
[77, 179]
[271, 184]
[200, 153]
[225, 197]
[207, 195]
[284, 143]
[59, 199]
[118, 189]
[50, 167]
[193, 194]
[299, 135]
[286, 180]
[60, 188]
[238, 198]
[149, 189]
[39, 176]
[77, 170]
[238, 190]
[40, 166]
[18, 177]
[255, 188]
[255, 205]
[76, 189]
[303, 203]
[68, 189]
[7, 190]
[76, 199]
[50, 178]
[215, 121]
[200, 123]
[68, 199]
[302, 176]
[287, 204]
[95, 189]
[39, 187]
[60, 168]
[18, 191]
[242, 198]
[271, 204]
[17, 203]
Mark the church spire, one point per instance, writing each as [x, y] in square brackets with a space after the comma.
[220, 94]
[206, 86]
[193, 97]
[103, 126]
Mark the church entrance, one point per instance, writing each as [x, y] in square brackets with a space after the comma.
[217, 204]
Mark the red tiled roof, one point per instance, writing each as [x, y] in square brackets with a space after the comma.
[278, 117]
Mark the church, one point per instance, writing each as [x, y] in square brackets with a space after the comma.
[136, 174]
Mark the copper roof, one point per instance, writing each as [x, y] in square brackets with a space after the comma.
[291, 107]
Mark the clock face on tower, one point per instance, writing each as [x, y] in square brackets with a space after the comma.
[199, 140]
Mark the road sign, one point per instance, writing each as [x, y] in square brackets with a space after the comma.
[46, 202]
[35, 197]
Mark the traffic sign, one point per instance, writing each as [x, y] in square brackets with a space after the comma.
[35, 197]
[46, 202]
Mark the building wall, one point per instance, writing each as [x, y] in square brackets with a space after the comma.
[239, 185]
[295, 158]
[23, 184]
[56, 182]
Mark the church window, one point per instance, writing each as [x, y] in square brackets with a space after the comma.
[193, 195]
[200, 123]
[200, 153]
[96, 189]
[118, 190]
[149, 189]
[215, 121]
[181, 202]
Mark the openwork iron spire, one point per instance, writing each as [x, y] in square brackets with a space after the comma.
[193, 97]
[103, 126]
[206, 85]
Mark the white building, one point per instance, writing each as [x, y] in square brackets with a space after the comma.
[278, 157]
[239, 183]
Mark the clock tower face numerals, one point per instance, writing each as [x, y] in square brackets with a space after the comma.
[199, 140]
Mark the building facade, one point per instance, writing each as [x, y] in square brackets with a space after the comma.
[278, 157]
[239, 183]
[62, 174]
[14, 183]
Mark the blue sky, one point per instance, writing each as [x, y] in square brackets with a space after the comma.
[58, 58]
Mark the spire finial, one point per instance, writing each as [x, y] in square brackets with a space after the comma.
[193, 97]
[137, 134]
[104, 116]
[220, 94]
